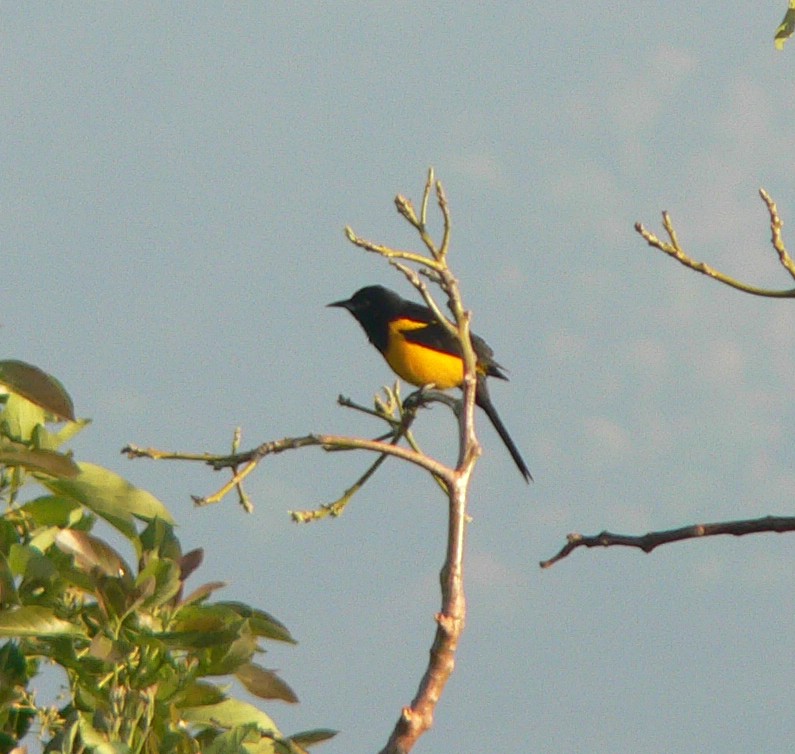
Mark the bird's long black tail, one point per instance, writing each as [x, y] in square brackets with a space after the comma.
[483, 400]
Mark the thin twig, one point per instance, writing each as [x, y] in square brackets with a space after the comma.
[441, 199]
[242, 497]
[419, 284]
[775, 233]
[377, 413]
[252, 457]
[388, 253]
[401, 428]
[336, 507]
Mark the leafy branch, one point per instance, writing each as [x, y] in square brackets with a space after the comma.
[140, 657]
[786, 27]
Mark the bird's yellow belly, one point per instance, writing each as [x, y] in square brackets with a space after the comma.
[420, 365]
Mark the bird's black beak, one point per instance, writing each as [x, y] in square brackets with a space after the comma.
[342, 304]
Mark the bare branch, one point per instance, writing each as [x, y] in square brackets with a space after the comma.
[399, 415]
[418, 716]
[651, 540]
[251, 458]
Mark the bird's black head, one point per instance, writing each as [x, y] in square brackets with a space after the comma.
[373, 307]
[373, 298]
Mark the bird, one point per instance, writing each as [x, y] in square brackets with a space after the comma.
[420, 350]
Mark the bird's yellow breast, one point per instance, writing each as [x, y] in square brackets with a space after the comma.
[419, 364]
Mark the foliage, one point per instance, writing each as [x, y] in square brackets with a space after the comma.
[786, 27]
[137, 655]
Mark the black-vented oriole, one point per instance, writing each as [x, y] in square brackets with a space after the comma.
[421, 351]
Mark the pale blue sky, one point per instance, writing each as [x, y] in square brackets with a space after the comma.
[176, 178]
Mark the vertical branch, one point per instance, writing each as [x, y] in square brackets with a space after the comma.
[417, 718]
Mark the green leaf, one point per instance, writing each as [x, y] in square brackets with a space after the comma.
[116, 747]
[195, 640]
[13, 667]
[206, 618]
[264, 683]
[8, 590]
[227, 658]
[37, 622]
[228, 714]
[96, 741]
[38, 387]
[164, 577]
[232, 741]
[201, 627]
[9, 535]
[44, 461]
[316, 736]
[53, 440]
[30, 562]
[44, 538]
[198, 694]
[20, 555]
[277, 746]
[20, 418]
[158, 537]
[262, 623]
[50, 510]
[44, 577]
[111, 497]
[786, 27]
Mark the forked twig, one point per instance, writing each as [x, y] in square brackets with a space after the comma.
[673, 249]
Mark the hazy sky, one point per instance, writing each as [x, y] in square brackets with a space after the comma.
[176, 178]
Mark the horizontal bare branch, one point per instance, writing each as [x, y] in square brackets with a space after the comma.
[649, 541]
